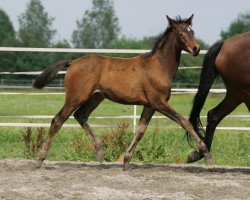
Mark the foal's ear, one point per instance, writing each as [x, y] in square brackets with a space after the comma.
[170, 21]
[189, 20]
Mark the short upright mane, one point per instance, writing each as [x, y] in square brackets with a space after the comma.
[160, 40]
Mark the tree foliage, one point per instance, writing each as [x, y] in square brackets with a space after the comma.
[7, 38]
[240, 25]
[7, 32]
[35, 26]
[35, 31]
[98, 27]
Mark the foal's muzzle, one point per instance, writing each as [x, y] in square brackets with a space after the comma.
[196, 50]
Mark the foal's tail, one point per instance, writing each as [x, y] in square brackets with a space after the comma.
[208, 75]
[50, 73]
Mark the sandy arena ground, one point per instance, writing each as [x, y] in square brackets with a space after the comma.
[77, 180]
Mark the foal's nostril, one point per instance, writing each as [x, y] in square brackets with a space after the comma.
[196, 50]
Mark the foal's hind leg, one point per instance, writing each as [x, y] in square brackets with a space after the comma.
[56, 124]
[146, 115]
[82, 114]
[214, 117]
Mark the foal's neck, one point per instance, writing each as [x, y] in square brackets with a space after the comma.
[170, 54]
[171, 49]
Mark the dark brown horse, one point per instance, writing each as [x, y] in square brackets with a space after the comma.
[231, 60]
[143, 80]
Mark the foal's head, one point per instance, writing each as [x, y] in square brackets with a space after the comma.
[185, 34]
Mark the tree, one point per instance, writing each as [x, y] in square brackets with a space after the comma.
[35, 26]
[7, 32]
[35, 31]
[7, 38]
[98, 27]
[240, 25]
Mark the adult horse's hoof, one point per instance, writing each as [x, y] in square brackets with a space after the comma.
[194, 156]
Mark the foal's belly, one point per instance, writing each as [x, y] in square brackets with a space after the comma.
[128, 96]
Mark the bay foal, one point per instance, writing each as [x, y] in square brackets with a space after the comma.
[143, 80]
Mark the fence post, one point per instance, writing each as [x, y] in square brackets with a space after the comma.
[61, 82]
[134, 124]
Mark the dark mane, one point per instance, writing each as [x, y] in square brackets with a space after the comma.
[160, 40]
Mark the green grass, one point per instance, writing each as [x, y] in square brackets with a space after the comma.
[162, 146]
[166, 145]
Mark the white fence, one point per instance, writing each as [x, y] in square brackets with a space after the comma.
[68, 50]
[108, 51]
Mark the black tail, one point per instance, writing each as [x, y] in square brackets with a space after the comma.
[50, 73]
[208, 75]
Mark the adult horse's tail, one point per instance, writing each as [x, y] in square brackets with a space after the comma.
[208, 75]
[50, 73]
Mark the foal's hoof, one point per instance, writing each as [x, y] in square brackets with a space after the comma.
[126, 166]
[126, 161]
[100, 156]
[208, 159]
[194, 156]
[38, 163]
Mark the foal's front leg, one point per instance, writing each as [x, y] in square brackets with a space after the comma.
[146, 115]
[165, 109]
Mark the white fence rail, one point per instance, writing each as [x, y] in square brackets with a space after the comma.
[68, 50]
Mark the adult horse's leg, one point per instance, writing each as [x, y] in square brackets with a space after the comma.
[56, 124]
[146, 115]
[82, 114]
[214, 116]
[165, 109]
